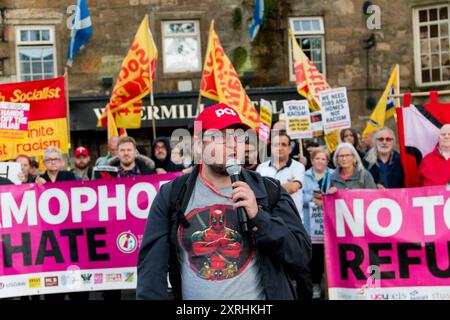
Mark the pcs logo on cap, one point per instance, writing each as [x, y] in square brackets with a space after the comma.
[222, 111]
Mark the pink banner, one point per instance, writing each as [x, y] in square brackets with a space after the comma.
[388, 244]
[73, 236]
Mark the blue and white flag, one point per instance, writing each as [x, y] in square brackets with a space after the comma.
[258, 18]
[81, 30]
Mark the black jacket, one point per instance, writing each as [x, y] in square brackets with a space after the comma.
[395, 175]
[283, 246]
[63, 175]
[165, 164]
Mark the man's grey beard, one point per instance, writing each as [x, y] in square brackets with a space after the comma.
[220, 169]
[384, 150]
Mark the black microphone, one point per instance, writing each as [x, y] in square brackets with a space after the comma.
[234, 169]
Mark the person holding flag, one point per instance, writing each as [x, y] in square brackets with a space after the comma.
[81, 26]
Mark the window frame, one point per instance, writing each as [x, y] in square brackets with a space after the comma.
[51, 43]
[416, 35]
[197, 34]
[309, 34]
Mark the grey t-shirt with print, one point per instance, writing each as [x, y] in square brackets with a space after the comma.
[217, 259]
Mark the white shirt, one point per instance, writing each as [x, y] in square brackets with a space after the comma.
[293, 170]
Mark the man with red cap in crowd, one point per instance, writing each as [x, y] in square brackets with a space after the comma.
[194, 230]
[82, 170]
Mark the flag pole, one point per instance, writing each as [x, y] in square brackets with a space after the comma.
[66, 89]
[152, 102]
[420, 94]
[397, 87]
[152, 99]
[199, 99]
[300, 147]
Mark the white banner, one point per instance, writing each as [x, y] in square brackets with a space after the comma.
[298, 124]
[335, 109]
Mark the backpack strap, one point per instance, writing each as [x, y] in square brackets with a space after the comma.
[273, 191]
[180, 200]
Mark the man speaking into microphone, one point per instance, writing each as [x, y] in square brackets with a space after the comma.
[218, 239]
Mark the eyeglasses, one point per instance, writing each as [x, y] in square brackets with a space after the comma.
[343, 156]
[52, 160]
[381, 139]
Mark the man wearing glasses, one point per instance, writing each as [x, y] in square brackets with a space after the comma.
[383, 162]
[53, 163]
[200, 239]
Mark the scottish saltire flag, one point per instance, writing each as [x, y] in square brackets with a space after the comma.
[258, 18]
[81, 30]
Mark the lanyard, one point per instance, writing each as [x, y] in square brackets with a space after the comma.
[324, 182]
[209, 185]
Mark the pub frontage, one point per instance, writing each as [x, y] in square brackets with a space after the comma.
[171, 111]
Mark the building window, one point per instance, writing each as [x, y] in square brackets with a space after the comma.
[309, 33]
[181, 46]
[36, 58]
[431, 45]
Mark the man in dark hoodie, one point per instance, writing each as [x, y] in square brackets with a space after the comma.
[161, 155]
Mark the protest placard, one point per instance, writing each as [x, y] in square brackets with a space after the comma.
[388, 244]
[316, 223]
[11, 170]
[335, 109]
[298, 119]
[75, 235]
[265, 116]
[14, 121]
[316, 124]
[47, 119]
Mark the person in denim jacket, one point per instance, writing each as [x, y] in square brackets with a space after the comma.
[317, 182]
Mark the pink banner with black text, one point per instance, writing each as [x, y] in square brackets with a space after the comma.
[388, 244]
[73, 236]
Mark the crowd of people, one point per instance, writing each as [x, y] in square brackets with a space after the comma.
[216, 249]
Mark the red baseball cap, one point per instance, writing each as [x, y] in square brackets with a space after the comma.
[218, 116]
[81, 151]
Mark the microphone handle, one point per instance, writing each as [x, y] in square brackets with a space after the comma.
[242, 213]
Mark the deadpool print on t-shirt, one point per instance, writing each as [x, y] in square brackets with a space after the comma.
[215, 245]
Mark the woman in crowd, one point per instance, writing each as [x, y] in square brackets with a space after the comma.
[317, 182]
[25, 176]
[349, 173]
[351, 136]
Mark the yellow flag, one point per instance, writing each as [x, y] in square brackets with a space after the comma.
[332, 140]
[123, 132]
[308, 78]
[220, 82]
[112, 128]
[134, 80]
[385, 107]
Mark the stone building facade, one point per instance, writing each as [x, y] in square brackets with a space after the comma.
[413, 34]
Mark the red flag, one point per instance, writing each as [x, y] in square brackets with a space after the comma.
[418, 132]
